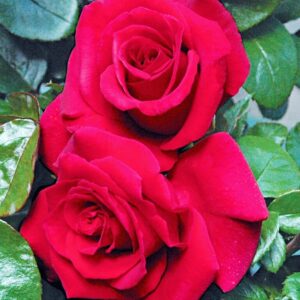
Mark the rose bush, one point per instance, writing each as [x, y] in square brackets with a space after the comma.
[113, 227]
[152, 70]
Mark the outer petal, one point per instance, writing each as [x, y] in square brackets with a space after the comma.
[79, 287]
[219, 180]
[213, 49]
[237, 61]
[32, 229]
[219, 183]
[235, 243]
[54, 135]
[92, 143]
[191, 271]
[125, 127]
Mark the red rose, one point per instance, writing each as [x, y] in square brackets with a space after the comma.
[113, 227]
[152, 70]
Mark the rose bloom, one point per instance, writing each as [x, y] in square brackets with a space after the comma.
[152, 70]
[113, 227]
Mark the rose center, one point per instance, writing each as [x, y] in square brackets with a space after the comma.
[141, 58]
[92, 221]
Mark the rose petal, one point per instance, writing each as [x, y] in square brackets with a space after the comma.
[32, 229]
[156, 266]
[113, 92]
[237, 61]
[219, 180]
[91, 143]
[189, 274]
[235, 243]
[78, 287]
[54, 135]
[219, 183]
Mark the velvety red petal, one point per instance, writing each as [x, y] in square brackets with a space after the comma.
[78, 287]
[238, 65]
[114, 93]
[213, 48]
[125, 177]
[219, 180]
[219, 183]
[54, 135]
[189, 274]
[235, 243]
[156, 266]
[128, 129]
[32, 229]
[91, 143]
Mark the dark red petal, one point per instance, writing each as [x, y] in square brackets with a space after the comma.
[190, 271]
[219, 183]
[237, 62]
[54, 135]
[126, 128]
[91, 143]
[78, 287]
[235, 243]
[32, 229]
[219, 180]
[156, 266]
[114, 93]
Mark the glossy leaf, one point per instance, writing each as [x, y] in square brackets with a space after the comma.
[18, 147]
[288, 203]
[293, 143]
[274, 169]
[42, 20]
[231, 117]
[290, 223]
[249, 13]
[288, 10]
[19, 105]
[19, 275]
[288, 207]
[274, 131]
[291, 287]
[274, 113]
[297, 43]
[48, 93]
[275, 257]
[273, 58]
[21, 68]
[269, 231]
[246, 290]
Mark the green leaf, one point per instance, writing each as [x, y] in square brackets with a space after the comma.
[42, 20]
[19, 276]
[274, 131]
[291, 287]
[274, 169]
[288, 207]
[246, 290]
[290, 223]
[249, 13]
[297, 43]
[231, 117]
[18, 147]
[293, 143]
[273, 58]
[20, 67]
[48, 93]
[288, 203]
[274, 113]
[269, 231]
[288, 10]
[19, 105]
[275, 257]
